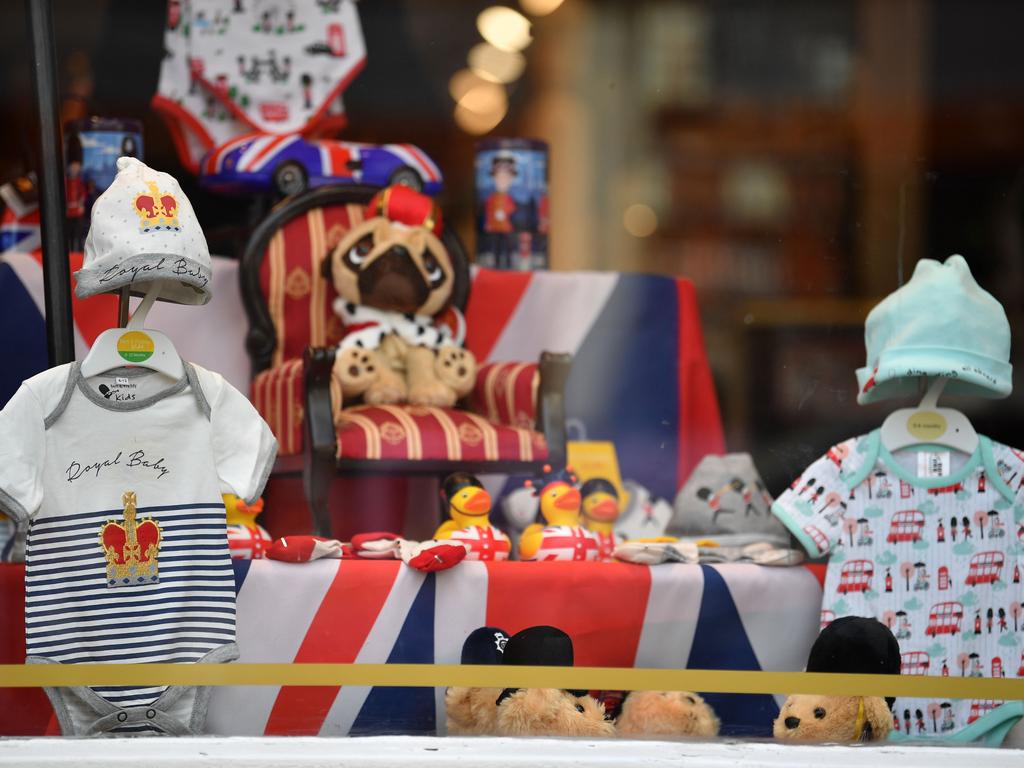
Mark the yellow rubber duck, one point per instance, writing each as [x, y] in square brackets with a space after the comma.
[600, 511]
[247, 539]
[469, 506]
[562, 538]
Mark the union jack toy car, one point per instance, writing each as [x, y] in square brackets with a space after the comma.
[290, 164]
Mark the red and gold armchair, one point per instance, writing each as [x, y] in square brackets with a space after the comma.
[512, 423]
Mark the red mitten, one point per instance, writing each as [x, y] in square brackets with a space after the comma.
[433, 555]
[302, 549]
[377, 545]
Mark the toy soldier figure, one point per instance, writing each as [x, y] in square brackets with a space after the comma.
[500, 208]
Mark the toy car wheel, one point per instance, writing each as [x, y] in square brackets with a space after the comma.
[407, 177]
[290, 179]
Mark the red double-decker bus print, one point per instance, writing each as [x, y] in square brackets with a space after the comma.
[945, 618]
[906, 525]
[856, 576]
[985, 568]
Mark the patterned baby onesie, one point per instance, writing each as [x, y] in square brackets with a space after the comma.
[928, 543]
[119, 478]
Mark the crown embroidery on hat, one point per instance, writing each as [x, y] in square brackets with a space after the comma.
[131, 546]
[157, 210]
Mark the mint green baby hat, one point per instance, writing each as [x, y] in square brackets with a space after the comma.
[941, 323]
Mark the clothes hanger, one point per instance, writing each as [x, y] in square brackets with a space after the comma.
[930, 424]
[131, 346]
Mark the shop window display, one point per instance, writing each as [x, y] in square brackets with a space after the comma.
[519, 323]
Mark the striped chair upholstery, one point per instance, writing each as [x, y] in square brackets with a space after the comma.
[498, 424]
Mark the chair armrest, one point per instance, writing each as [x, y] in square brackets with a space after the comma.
[554, 373]
[321, 443]
[321, 438]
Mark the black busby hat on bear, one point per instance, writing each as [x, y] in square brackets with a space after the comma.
[542, 646]
[856, 645]
[485, 645]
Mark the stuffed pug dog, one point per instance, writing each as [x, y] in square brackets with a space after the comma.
[546, 711]
[471, 711]
[394, 279]
[666, 713]
[853, 645]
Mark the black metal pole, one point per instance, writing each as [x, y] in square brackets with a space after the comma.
[60, 338]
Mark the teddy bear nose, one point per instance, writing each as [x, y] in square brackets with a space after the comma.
[792, 722]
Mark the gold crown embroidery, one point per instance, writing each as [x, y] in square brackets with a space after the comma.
[131, 546]
[157, 210]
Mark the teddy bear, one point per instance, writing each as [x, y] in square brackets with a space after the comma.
[471, 711]
[551, 712]
[666, 713]
[853, 645]
[546, 711]
[395, 280]
[833, 719]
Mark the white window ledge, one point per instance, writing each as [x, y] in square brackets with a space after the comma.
[409, 752]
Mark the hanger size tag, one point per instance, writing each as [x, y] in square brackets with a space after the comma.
[135, 346]
[926, 425]
[931, 464]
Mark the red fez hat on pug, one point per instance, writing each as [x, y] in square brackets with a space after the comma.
[403, 205]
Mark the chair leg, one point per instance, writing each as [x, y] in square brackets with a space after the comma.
[318, 473]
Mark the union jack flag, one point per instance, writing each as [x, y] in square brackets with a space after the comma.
[354, 611]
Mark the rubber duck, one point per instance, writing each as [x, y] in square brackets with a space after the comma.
[468, 506]
[247, 539]
[600, 511]
[563, 538]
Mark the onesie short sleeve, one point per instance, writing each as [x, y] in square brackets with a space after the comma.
[244, 448]
[1009, 464]
[812, 508]
[22, 454]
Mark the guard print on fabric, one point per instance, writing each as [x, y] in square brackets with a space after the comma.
[131, 547]
[930, 546]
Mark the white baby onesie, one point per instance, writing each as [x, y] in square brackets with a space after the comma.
[119, 478]
[928, 543]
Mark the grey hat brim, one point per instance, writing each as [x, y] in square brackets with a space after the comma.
[182, 280]
[899, 371]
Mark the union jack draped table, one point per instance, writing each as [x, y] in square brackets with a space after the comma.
[670, 616]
